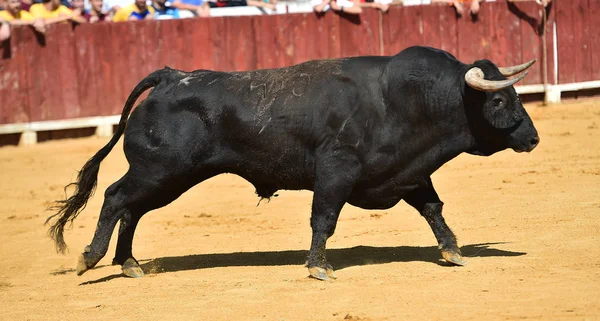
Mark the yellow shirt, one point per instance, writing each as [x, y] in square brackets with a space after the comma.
[39, 11]
[132, 12]
[22, 15]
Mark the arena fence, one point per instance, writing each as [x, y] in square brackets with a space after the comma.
[80, 76]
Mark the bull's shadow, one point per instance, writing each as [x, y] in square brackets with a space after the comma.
[339, 258]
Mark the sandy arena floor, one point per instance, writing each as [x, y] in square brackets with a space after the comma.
[529, 225]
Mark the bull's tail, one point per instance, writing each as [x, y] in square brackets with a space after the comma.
[68, 209]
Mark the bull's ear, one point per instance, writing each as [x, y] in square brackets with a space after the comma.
[475, 78]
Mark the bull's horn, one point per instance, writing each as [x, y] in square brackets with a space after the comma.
[511, 71]
[475, 78]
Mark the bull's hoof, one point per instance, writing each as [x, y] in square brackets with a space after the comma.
[81, 265]
[132, 269]
[453, 257]
[320, 273]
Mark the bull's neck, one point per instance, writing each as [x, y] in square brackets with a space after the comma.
[435, 130]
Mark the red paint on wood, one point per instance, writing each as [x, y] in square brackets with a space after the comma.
[404, 28]
[473, 40]
[15, 62]
[567, 60]
[200, 42]
[530, 19]
[448, 29]
[432, 26]
[504, 34]
[320, 37]
[54, 81]
[551, 19]
[359, 35]
[594, 35]
[581, 32]
[87, 47]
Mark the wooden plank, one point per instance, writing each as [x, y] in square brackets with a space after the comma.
[594, 35]
[322, 37]
[359, 35]
[315, 31]
[404, 28]
[50, 90]
[567, 61]
[473, 39]
[432, 29]
[117, 68]
[15, 62]
[218, 43]
[448, 26]
[187, 50]
[155, 46]
[504, 30]
[240, 47]
[273, 39]
[69, 101]
[391, 26]
[201, 43]
[581, 33]
[530, 44]
[551, 19]
[334, 48]
[88, 67]
[169, 47]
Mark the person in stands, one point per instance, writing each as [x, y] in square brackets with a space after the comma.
[52, 12]
[95, 14]
[383, 5]
[77, 6]
[347, 6]
[192, 8]
[137, 11]
[163, 11]
[15, 16]
[460, 5]
[4, 30]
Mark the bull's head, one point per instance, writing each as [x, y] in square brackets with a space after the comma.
[495, 112]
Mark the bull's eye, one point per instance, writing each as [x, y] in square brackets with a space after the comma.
[498, 102]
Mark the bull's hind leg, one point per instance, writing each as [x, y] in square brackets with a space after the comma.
[335, 178]
[137, 193]
[427, 202]
[123, 255]
[146, 196]
[112, 211]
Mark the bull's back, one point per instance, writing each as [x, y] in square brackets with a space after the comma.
[264, 125]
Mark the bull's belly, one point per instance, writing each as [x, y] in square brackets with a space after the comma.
[383, 196]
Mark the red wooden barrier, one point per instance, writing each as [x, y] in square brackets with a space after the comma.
[89, 70]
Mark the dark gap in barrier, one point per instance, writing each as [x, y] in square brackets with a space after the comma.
[10, 139]
[43, 136]
[532, 98]
[581, 94]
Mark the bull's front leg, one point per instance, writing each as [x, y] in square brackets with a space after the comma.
[427, 202]
[335, 178]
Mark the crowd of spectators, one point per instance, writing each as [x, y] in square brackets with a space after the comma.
[355, 6]
[40, 13]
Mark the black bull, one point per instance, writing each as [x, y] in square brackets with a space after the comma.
[368, 131]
